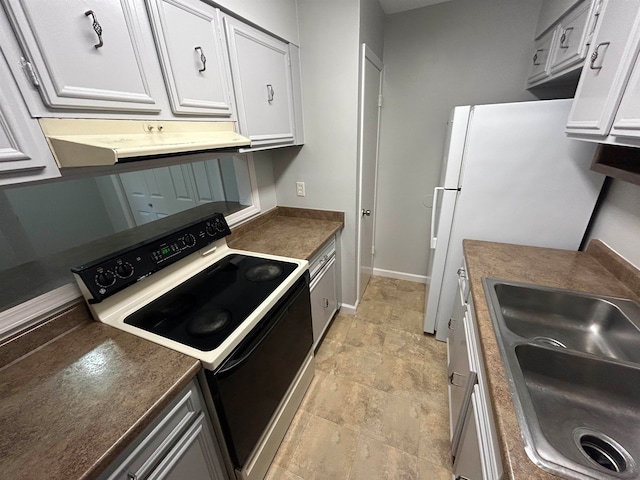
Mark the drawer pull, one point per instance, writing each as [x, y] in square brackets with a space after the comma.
[535, 56]
[454, 376]
[203, 59]
[96, 27]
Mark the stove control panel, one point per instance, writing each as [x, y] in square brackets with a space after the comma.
[107, 275]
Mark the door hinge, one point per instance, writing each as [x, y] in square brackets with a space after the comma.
[379, 100]
[30, 71]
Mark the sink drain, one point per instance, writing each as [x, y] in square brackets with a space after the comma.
[548, 342]
[603, 451]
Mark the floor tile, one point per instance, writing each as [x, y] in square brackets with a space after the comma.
[374, 311]
[375, 460]
[430, 471]
[341, 400]
[327, 450]
[377, 406]
[365, 334]
[339, 327]
[396, 423]
[407, 319]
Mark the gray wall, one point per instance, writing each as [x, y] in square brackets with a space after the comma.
[330, 36]
[454, 53]
[617, 222]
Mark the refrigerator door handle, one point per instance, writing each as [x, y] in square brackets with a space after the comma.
[434, 209]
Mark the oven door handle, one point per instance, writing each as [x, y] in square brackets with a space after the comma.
[238, 358]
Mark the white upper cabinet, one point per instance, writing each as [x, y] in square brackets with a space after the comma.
[611, 57]
[261, 71]
[24, 153]
[84, 54]
[562, 47]
[539, 60]
[193, 56]
[571, 45]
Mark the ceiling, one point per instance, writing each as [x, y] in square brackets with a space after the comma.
[395, 6]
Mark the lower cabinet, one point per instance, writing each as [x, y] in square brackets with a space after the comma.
[324, 292]
[180, 444]
[474, 446]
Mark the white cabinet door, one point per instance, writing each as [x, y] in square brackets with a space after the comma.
[324, 301]
[261, 70]
[539, 59]
[85, 54]
[627, 120]
[24, 153]
[607, 69]
[571, 45]
[193, 56]
[193, 457]
[468, 462]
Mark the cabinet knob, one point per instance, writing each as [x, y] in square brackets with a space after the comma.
[366, 213]
[96, 27]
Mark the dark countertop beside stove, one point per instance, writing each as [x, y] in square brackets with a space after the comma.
[74, 392]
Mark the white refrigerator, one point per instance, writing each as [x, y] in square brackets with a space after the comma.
[510, 175]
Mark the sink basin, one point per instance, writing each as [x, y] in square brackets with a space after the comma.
[573, 364]
[587, 323]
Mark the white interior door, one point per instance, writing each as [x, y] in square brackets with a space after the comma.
[369, 130]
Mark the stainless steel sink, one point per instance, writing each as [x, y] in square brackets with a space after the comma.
[573, 361]
[586, 323]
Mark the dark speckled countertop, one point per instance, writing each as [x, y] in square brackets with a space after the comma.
[290, 232]
[598, 270]
[74, 392]
[71, 406]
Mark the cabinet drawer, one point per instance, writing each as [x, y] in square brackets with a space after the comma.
[324, 300]
[321, 258]
[151, 451]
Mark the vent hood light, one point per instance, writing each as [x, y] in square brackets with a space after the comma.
[87, 142]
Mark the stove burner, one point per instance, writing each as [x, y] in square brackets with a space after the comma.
[209, 321]
[263, 272]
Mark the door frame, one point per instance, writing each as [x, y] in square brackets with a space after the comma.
[366, 55]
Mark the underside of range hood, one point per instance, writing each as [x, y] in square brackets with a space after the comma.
[90, 142]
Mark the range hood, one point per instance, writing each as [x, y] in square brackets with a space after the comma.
[89, 142]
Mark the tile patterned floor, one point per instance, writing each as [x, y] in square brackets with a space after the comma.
[377, 406]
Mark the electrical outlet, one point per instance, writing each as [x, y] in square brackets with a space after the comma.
[300, 189]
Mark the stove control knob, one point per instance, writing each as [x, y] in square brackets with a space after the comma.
[105, 279]
[210, 229]
[219, 225]
[189, 240]
[124, 270]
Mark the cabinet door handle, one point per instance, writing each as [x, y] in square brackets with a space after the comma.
[96, 27]
[325, 303]
[270, 93]
[203, 59]
[563, 38]
[535, 56]
[453, 376]
[451, 324]
[594, 56]
[462, 273]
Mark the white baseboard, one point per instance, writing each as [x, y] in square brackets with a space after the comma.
[379, 272]
[348, 309]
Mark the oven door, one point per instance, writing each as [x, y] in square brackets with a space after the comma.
[250, 384]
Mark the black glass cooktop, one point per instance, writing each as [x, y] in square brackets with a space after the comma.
[205, 309]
